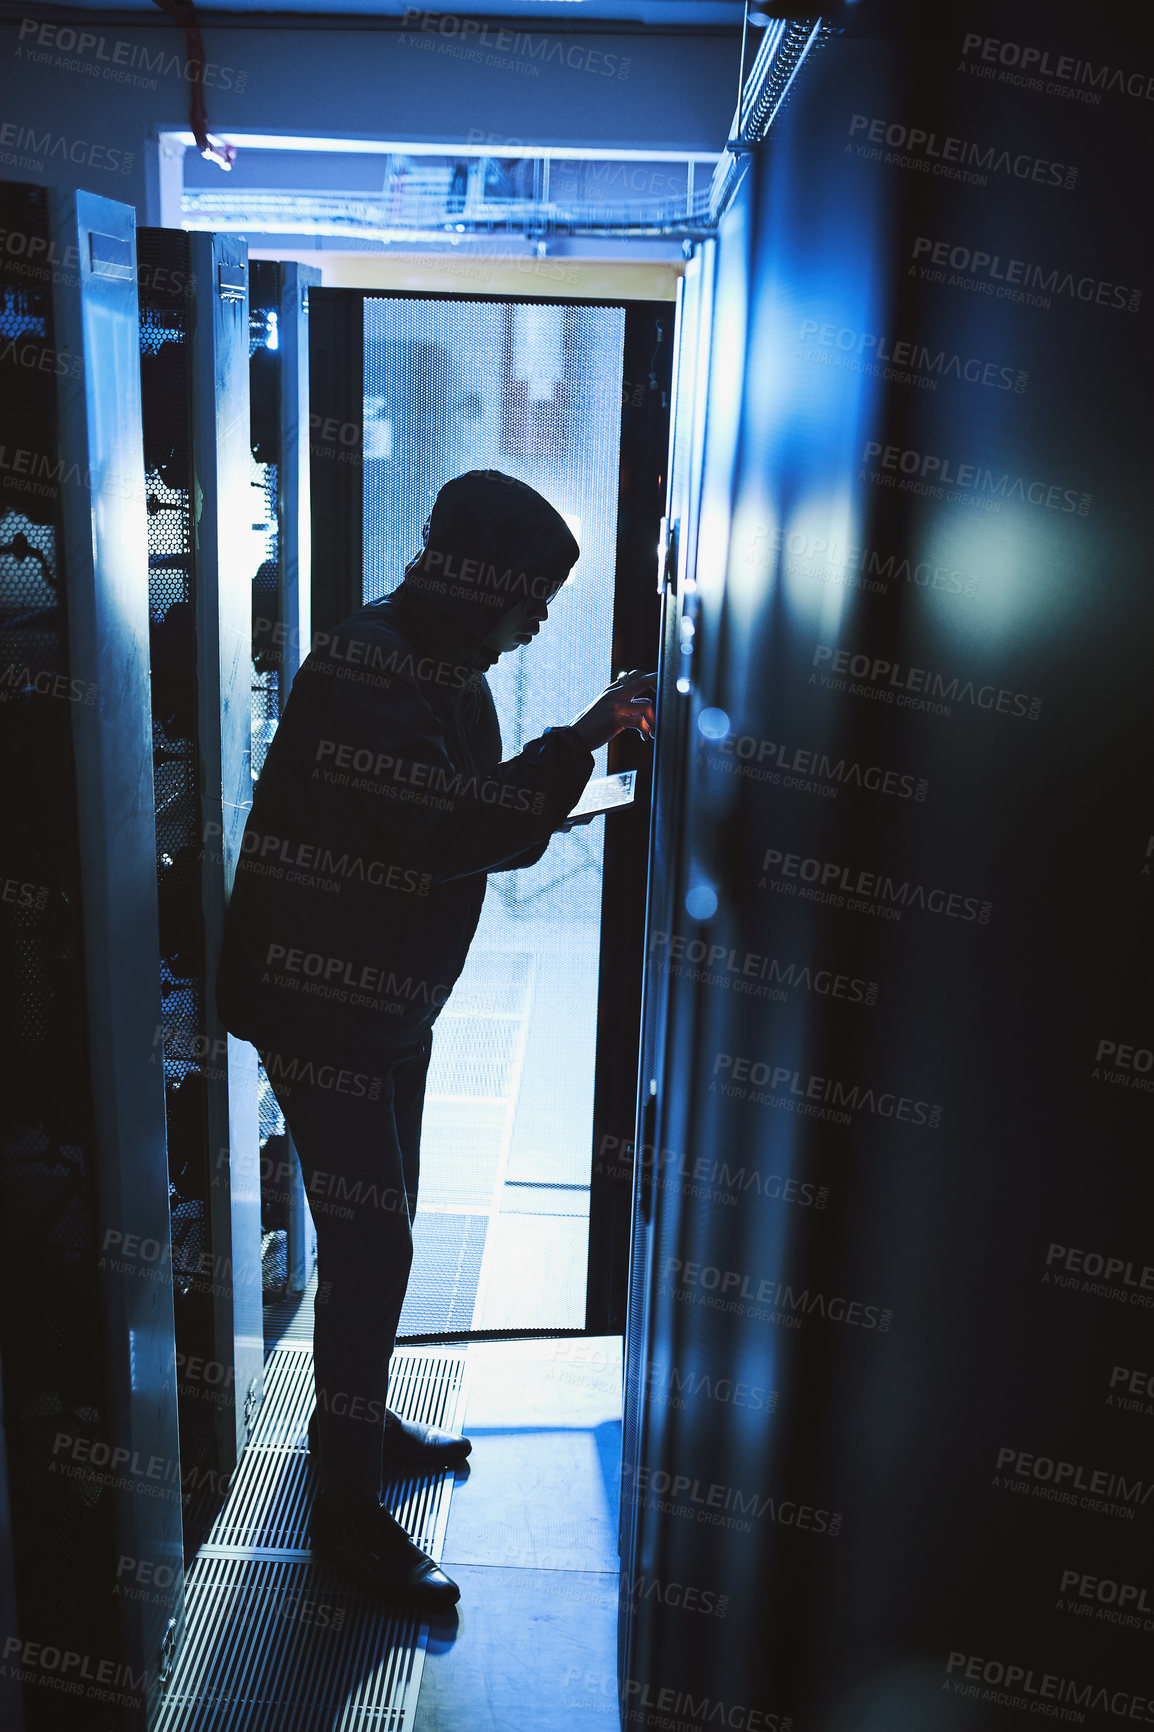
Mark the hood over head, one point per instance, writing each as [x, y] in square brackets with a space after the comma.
[490, 542]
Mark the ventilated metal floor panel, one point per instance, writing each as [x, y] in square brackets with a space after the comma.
[276, 1642]
[275, 1647]
[268, 1506]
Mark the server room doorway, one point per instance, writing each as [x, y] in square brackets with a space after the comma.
[523, 1216]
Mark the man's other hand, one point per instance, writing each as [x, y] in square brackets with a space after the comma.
[621, 705]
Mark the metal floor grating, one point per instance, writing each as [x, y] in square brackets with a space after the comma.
[283, 1647]
[290, 1319]
[275, 1642]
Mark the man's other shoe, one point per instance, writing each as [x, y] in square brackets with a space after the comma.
[374, 1549]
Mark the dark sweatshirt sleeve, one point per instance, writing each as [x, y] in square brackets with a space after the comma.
[374, 754]
[529, 858]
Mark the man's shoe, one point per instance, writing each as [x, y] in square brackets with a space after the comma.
[409, 1444]
[406, 1444]
[378, 1554]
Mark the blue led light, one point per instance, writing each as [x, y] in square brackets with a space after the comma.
[701, 902]
[713, 723]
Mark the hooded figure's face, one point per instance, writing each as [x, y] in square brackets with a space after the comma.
[495, 555]
[521, 624]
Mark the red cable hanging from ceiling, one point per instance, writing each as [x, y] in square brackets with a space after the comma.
[212, 149]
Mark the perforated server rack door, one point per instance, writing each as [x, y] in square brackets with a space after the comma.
[194, 360]
[90, 1380]
[642, 1159]
[646, 436]
[336, 453]
[337, 411]
[281, 614]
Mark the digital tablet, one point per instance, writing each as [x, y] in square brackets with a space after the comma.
[604, 793]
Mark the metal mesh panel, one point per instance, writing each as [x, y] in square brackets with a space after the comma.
[265, 714]
[535, 391]
[50, 1311]
[449, 1248]
[274, 1260]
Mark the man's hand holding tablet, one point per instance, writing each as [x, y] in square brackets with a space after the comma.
[627, 703]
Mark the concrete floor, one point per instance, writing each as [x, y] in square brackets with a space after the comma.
[532, 1540]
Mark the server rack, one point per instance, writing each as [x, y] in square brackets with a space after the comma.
[281, 625]
[641, 1159]
[194, 345]
[86, 1320]
[895, 1436]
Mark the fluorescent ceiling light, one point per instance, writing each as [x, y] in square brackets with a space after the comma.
[506, 148]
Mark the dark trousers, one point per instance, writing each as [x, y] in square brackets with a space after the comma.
[358, 1137]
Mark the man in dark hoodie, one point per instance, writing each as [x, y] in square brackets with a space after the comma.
[381, 808]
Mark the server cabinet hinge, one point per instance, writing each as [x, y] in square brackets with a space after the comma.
[251, 1407]
[167, 1653]
[231, 281]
